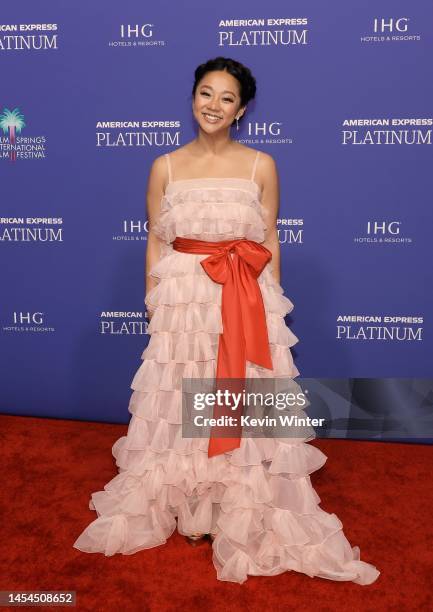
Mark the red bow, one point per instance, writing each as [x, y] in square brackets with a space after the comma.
[245, 334]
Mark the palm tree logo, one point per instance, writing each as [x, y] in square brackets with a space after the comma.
[11, 122]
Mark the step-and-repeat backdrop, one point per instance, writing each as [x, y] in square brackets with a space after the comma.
[92, 93]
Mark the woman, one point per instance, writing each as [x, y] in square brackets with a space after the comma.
[217, 309]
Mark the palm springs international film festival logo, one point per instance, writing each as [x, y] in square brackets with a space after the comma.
[12, 144]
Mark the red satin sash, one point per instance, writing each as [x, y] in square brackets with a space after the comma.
[245, 333]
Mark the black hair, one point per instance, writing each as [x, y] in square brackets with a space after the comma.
[240, 72]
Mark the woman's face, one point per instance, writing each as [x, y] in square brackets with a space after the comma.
[217, 101]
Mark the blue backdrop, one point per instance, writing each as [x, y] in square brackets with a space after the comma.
[91, 94]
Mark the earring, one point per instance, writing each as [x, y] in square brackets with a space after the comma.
[237, 124]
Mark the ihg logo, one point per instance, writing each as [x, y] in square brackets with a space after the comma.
[264, 128]
[28, 318]
[383, 228]
[390, 25]
[136, 31]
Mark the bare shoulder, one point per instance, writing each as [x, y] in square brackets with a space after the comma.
[267, 162]
[158, 177]
[266, 172]
[180, 160]
[158, 169]
[182, 152]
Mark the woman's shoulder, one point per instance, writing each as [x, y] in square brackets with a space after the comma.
[263, 157]
[158, 168]
[162, 165]
[265, 161]
[179, 152]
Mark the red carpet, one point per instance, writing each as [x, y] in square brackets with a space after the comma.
[381, 491]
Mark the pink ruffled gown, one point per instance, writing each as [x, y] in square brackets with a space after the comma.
[257, 499]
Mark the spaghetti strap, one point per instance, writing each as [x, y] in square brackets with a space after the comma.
[255, 166]
[167, 157]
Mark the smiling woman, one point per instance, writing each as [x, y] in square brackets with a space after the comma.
[230, 99]
[223, 91]
[217, 310]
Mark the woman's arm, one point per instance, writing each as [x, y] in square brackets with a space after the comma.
[155, 192]
[271, 201]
